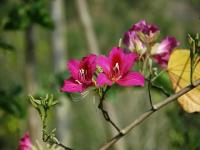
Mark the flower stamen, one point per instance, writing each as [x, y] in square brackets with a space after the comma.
[78, 81]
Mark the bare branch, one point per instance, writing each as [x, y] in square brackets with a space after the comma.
[107, 116]
[148, 113]
[104, 111]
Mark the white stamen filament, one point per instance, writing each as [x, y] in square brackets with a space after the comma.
[82, 72]
[116, 68]
[78, 81]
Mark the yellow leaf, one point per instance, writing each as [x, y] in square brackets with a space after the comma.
[179, 73]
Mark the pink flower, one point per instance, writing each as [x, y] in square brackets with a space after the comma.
[149, 30]
[161, 52]
[25, 142]
[140, 34]
[132, 41]
[116, 69]
[81, 74]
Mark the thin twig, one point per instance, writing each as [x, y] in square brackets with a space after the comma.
[63, 146]
[106, 116]
[149, 92]
[148, 113]
[104, 111]
[47, 138]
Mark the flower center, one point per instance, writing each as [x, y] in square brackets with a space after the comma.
[78, 81]
[82, 74]
[116, 67]
[116, 72]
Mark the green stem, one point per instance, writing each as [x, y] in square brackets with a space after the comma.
[44, 126]
[149, 92]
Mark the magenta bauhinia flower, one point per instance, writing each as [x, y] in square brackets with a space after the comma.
[161, 52]
[81, 74]
[139, 35]
[25, 142]
[117, 69]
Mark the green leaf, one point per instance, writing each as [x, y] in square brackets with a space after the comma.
[32, 100]
[9, 102]
[163, 84]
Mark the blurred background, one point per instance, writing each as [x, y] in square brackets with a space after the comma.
[37, 37]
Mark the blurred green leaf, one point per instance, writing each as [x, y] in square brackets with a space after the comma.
[9, 102]
[6, 46]
[23, 15]
[163, 84]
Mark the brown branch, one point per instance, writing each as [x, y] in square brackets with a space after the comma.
[104, 111]
[107, 116]
[63, 146]
[148, 113]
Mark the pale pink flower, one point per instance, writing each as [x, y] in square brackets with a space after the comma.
[161, 52]
[140, 34]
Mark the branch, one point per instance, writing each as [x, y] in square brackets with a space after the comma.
[104, 111]
[107, 116]
[148, 113]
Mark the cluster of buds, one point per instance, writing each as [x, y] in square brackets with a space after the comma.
[194, 42]
[142, 39]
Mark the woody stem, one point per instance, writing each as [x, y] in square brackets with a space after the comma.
[104, 111]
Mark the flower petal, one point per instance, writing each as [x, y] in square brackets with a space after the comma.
[73, 67]
[132, 41]
[102, 80]
[25, 142]
[145, 28]
[116, 57]
[128, 62]
[104, 63]
[132, 79]
[71, 85]
[166, 46]
[162, 59]
[90, 62]
[161, 52]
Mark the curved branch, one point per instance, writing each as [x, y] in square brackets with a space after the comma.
[148, 113]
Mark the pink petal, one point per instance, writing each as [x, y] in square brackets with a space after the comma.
[132, 79]
[162, 59]
[167, 45]
[116, 56]
[127, 38]
[90, 62]
[132, 41]
[71, 85]
[163, 50]
[128, 62]
[73, 67]
[104, 63]
[25, 142]
[145, 28]
[102, 80]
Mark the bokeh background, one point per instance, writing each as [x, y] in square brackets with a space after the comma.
[37, 37]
